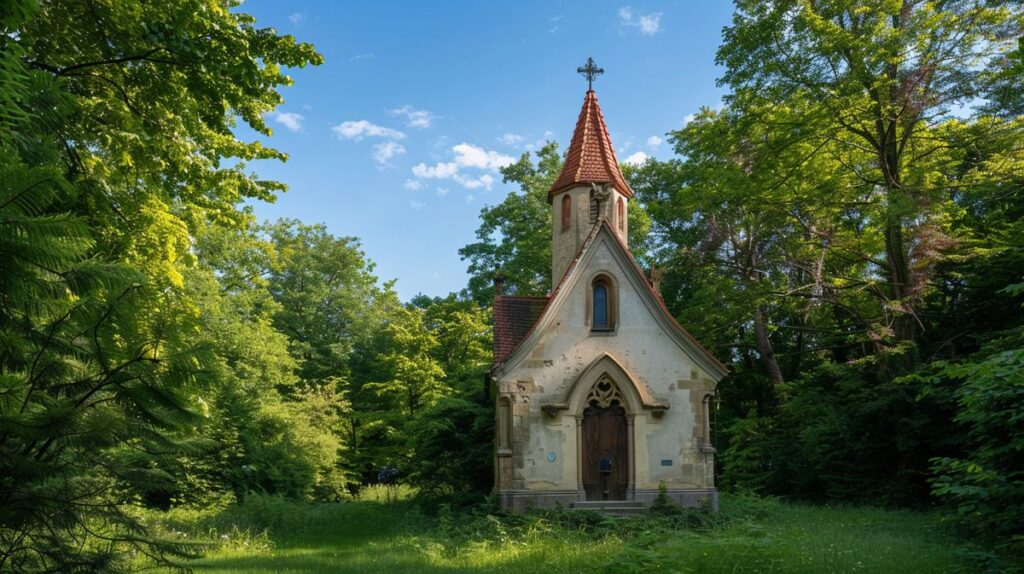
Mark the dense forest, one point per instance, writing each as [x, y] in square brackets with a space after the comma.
[845, 232]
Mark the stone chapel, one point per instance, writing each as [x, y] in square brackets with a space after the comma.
[601, 395]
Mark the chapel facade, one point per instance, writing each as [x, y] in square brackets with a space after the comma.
[601, 394]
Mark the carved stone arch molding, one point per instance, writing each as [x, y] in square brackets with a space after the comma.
[633, 395]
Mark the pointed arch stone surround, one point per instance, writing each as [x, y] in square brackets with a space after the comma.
[637, 396]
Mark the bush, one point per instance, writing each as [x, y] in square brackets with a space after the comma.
[453, 441]
[986, 486]
[844, 432]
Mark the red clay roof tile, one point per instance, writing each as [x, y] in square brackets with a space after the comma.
[590, 158]
[514, 318]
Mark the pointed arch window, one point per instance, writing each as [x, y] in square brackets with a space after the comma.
[621, 214]
[602, 305]
[566, 212]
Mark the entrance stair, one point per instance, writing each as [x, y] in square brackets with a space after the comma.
[620, 508]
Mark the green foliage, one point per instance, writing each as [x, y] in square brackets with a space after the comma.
[453, 442]
[325, 287]
[115, 119]
[515, 235]
[986, 486]
[872, 82]
[835, 232]
[842, 434]
[93, 393]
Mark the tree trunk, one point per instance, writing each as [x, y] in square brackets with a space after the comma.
[764, 347]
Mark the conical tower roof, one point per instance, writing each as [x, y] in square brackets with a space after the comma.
[591, 158]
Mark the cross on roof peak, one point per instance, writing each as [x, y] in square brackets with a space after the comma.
[590, 71]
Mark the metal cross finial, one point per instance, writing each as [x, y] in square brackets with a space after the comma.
[590, 71]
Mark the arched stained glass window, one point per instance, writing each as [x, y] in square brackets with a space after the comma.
[601, 305]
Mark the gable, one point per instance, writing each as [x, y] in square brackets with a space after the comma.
[642, 312]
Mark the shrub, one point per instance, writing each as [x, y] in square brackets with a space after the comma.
[453, 442]
[986, 486]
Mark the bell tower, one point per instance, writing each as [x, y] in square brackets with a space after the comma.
[590, 188]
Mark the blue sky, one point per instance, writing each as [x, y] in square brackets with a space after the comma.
[397, 138]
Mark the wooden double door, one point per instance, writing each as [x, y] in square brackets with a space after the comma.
[604, 442]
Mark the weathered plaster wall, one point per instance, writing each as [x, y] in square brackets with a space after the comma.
[667, 448]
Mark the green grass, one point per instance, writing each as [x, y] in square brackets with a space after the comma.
[386, 532]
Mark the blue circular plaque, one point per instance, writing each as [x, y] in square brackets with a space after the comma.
[551, 456]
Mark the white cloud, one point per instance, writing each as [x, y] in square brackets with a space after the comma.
[637, 158]
[469, 198]
[290, 120]
[357, 130]
[414, 118]
[357, 57]
[296, 18]
[469, 155]
[486, 180]
[511, 139]
[648, 24]
[443, 170]
[383, 152]
[689, 118]
[442, 191]
[653, 141]
[416, 205]
[412, 184]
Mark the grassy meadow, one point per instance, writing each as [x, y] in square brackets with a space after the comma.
[385, 531]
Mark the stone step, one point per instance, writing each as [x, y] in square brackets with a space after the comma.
[607, 504]
[619, 508]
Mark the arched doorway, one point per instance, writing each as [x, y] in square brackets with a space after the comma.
[604, 442]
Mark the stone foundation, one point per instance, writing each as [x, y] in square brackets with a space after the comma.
[685, 497]
[520, 500]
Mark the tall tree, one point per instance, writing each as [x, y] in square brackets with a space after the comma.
[117, 116]
[325, 287]
[883, 75]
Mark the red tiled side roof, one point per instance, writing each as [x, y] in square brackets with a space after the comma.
[590, 158]
[514, 318]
